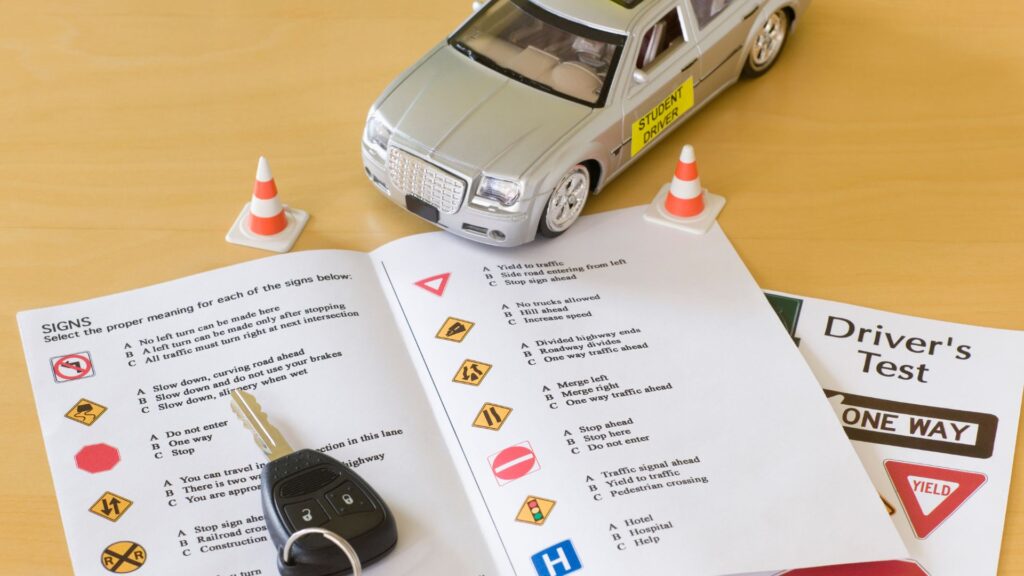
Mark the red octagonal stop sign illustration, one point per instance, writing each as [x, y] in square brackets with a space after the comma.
[96, 458]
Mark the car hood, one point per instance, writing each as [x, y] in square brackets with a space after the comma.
[472, 118]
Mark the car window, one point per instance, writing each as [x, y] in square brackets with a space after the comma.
[541, 49]
[707, 10]
[659, 39]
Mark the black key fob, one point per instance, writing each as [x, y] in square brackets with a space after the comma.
[307, 489]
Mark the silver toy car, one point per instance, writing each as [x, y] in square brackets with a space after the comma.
[504, 129]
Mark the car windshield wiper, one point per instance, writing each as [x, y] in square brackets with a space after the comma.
[487, 61]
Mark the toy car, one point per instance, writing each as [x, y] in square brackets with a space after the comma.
[503, 130]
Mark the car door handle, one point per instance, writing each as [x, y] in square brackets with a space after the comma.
[752, 11]
[688, 66]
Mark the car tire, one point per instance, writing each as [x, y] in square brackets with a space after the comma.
[768, 43]
[566, 202]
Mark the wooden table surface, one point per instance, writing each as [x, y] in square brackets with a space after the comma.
[880, 163]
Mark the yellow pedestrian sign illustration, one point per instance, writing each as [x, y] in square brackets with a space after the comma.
[454, 330]
[86, 412]
[535, 510]
[123, 557]
[492, 416]
[472, 372]
[111, 506]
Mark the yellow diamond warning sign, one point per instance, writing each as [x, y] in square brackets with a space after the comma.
[123, 557]
[472, 372]
[111, 506]
[454, 329]
[661, 116]
[86, 412]
[492, 416]
[535, 510]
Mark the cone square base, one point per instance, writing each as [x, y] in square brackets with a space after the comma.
[699, 224]
[281, 242]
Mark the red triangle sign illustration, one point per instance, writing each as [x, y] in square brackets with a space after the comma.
[930, 495]
[886, 568]
[435, 284]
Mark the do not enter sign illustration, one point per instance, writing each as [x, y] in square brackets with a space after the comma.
[96, 458]
[513, 463]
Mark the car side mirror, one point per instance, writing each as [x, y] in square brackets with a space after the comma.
[477, 6]
[640, 77]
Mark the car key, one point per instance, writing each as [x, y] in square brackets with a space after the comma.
[307, 489]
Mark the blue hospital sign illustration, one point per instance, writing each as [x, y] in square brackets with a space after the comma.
[557, 560]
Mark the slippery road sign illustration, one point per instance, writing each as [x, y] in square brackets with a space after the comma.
[111, 506]
[85, 412]
[72, 367]
[435, 284]
[472, 372]
[492, 416]
[535, 510]
[454, 330]
[930, 495]
[123, 557]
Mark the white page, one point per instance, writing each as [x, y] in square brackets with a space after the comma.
[369, 388]
[948, 421]
[784, 488]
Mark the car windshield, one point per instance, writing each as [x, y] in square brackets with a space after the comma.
[535, 47]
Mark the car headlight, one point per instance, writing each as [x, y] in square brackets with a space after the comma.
[378, 132]
[505, 193]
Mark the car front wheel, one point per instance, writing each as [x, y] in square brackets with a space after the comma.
[566, 202]
[768, 44]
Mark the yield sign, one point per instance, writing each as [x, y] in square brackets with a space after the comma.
[886, 568]
[435, 284]
[929, 494]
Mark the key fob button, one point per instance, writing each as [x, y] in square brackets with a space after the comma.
[306, 514]
[349, 499]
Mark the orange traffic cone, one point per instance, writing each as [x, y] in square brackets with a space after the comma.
[683, 203]
[264, 222]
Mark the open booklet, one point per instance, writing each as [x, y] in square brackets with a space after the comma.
[618, 401]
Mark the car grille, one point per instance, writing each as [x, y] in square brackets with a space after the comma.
[419, 178]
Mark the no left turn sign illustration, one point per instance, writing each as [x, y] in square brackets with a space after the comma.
[72, 367]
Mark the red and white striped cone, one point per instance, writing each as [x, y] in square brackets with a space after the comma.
[683, 203]
[264, 222]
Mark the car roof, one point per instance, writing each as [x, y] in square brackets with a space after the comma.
[611, 15]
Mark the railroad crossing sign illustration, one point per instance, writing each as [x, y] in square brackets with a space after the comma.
[535, 510]
[96, 458]
[72, 367]
[513, 463]
[472, 372]
[454, 330]
[85, 412]
[492, 416]
[930, 494]
[111, 506]
[435, 284]
[123, 557]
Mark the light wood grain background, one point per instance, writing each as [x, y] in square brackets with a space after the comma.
[881, 163]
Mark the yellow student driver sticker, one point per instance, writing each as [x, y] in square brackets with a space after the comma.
[659, 118]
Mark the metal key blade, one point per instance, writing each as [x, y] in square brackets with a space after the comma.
[267, 437]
